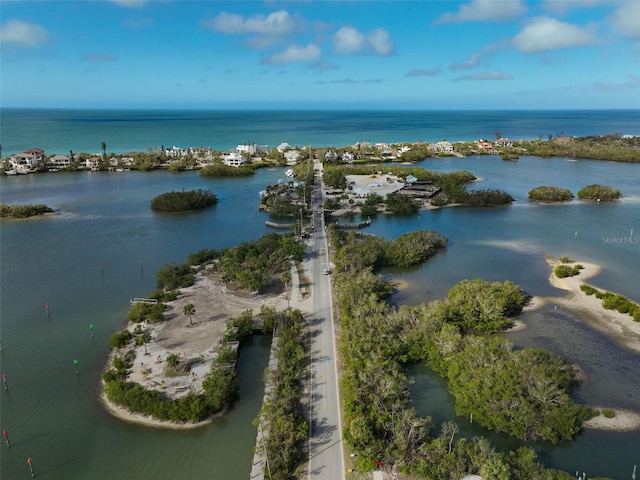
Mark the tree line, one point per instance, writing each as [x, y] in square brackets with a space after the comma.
[484, 374]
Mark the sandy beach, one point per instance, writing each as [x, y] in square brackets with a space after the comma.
[618, 326]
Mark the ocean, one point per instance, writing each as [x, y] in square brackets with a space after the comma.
[58, 131]
[55, 416]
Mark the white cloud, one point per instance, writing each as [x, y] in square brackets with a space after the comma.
[276, 23]
[380, 42]
[493, 75]
[348, 40]
[295, 54]
[545, 34]
[23, 33]
[417, 72]
[485, 10]
[626, 20]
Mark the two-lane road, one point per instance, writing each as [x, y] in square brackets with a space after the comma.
[326, 459]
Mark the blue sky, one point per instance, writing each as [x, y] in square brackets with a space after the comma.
[477, 54]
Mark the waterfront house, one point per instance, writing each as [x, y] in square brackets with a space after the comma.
[251, 148]
[233, 159]
[283, 146]
[504, 143]
[484, 146]
[93, 163]
[176, 152]
[59, 162]
[444, 147]
[26, 161]
[292, 157]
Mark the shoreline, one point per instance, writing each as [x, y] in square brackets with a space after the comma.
[620, 327]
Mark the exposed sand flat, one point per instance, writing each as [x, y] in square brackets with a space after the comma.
[624, 420]
[619, 326]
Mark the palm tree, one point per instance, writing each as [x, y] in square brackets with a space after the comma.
[285, 277]
[189, 311]
[143, 339]
[103, 146]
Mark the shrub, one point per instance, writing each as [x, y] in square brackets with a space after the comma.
[608, 413]
[563, 271]
[23, 211]
[598, 192]
[550, 194]
[120, 339]
[183, 201]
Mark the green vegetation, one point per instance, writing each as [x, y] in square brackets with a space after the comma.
[608, 413]
[408, 249]
[614, 301]
[477, 305]
[120, 339]
[550, 194]
[484, 374]
[564, 271]
[23, 211]
[281, 414]
[611, 147]
[255, 265]
[565, 260]
[400, 204]
[139, 312]
[219, 169]
[598, 192]
[183, 201]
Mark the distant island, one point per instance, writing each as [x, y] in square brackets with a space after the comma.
[23, 211]
[183, 201]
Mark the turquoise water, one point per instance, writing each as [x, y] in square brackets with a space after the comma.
[58, 131]
[54, 415]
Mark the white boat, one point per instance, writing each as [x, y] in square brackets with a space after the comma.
[11, 172]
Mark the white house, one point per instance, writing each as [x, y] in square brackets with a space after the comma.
[504, 143]
[26, 161]
[176, 151]
[249, 148]
[292, 157]
[59, 161]
[330, 155]
[93, 163]
[444, 147]
[233, 159]
[283, 146]
[348, 157]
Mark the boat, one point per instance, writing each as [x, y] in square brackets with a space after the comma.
[11, 172]
[289, 173]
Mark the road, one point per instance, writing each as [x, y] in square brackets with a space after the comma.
[326, 461]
